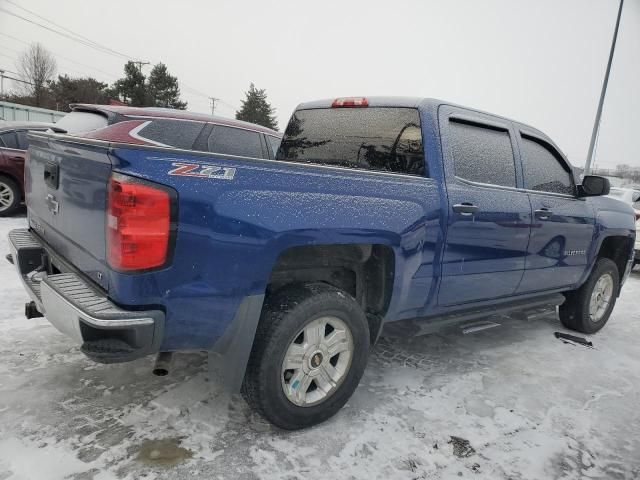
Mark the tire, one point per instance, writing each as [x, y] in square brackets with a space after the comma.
[10, 196]
[576, 312]
[271, 390]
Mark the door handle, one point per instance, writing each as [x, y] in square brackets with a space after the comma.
[17, 159]
[465, 208]
[543, 213]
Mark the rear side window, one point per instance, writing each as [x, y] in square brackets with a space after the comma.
[174, 133]
[235, 141]
[9, 140]
[383, 139]
[82, 122]
[543, 170]
[482, 154]
[274, 144]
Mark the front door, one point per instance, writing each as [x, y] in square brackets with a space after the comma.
[489, 219]
[562, 228]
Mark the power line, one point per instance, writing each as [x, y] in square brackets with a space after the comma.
[61, 56]
[10, 71]
[89, 43]
[71, 35]
[67, 29]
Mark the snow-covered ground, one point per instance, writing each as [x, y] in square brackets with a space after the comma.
[507, 403]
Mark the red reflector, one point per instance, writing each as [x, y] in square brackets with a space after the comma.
[350, 102]
[138, 224]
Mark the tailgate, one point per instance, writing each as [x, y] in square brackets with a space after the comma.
[66, 189]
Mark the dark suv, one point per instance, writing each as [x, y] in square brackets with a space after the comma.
[13, 146]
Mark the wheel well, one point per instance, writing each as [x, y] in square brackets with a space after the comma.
[616, 249]
[363, 270]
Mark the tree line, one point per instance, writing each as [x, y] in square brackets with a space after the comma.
[40, 87]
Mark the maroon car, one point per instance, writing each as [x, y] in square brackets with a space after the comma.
[13, 146]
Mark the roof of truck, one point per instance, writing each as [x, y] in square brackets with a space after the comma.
[158, 112]
[421, 102]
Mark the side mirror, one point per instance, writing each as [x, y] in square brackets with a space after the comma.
[593, 186]
[636, 196]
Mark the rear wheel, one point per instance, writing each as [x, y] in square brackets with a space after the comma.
[309, 354]
[9, 196]
[587, 309]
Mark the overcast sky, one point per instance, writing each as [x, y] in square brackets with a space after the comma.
[541, 62]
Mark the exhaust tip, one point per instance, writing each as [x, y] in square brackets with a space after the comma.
[160, 372]
[163, 364]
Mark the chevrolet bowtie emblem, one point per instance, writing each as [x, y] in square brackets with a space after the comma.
[52, 204]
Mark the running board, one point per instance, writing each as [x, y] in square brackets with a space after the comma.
[478, 327]
[425, 325]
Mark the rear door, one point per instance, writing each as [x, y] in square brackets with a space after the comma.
[489, 219]
[563, 225]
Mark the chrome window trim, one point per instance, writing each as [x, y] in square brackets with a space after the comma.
[514, 189]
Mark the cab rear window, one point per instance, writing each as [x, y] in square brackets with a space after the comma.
[82, 122]
[386, 139]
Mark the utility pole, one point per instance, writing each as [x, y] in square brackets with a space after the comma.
[596, 123]
[140, 64]
[1, 82]
[213, 104]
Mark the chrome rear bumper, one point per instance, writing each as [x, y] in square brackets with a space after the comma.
[107, 332]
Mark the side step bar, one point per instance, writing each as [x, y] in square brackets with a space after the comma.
[478, 327]
[425, 325]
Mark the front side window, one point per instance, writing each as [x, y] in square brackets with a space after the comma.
[235, 141]
[386, 139]
[543, 170]
[482, 153]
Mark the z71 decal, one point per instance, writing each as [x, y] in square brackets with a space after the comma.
[202, 171]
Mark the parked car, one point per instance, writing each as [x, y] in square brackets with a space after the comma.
[13, 144]
[378, 216]
[166, 127]
[630, 196]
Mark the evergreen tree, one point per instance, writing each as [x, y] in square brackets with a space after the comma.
[256, 109]
[159, 90]
[132, 88]
[163, 88]
[67, 90]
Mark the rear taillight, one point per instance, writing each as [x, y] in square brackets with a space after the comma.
[138, 224]
[350, 102]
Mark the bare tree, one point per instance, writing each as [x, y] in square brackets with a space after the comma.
[37, 67]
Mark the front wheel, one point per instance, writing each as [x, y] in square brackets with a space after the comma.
[588, 308]
[309, 353]
[9, 196]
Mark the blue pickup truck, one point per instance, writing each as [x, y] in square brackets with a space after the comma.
[376, 216]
